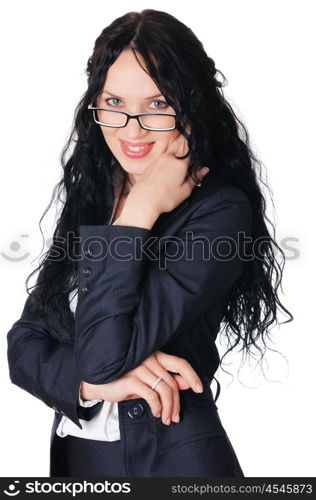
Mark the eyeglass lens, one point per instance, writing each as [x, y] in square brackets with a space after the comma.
[155, 121]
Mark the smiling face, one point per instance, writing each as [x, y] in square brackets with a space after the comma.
[129, 88]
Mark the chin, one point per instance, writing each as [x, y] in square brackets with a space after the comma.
[132, 170]
[132, 165]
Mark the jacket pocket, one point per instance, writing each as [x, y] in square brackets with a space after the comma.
[191, 400]
[195, 423]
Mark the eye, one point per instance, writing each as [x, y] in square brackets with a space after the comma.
[115, 101]
[164, 104]
[111, 99]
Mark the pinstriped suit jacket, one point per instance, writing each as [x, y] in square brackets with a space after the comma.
[155, 289]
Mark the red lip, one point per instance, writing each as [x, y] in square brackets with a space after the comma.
[136, 154]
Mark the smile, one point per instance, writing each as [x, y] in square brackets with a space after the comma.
[136, 149]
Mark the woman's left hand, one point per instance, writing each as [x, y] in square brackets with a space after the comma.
[140, 379]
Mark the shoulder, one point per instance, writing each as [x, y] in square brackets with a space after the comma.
[217, 192]
[215, 202]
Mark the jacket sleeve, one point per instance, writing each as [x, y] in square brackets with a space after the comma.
[44, 366]
[130, 305]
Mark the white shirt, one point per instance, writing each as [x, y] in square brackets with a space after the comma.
[104, 426]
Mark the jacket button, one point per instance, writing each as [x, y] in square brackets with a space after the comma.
[135, 411]
[87, 271]
[85, 289]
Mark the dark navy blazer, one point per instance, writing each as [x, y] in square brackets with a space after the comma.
[136, 298]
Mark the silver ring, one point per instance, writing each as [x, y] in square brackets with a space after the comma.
[198, 184]
[156, 382]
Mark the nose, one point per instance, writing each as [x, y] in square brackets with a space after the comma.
[134, 130]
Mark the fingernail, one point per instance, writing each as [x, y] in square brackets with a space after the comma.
[168, 421]
[205, 170]
[176, 418]
[199, 388]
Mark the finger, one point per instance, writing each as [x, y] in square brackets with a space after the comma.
[181, 366]
[155, 367]
[166, 397]
[175, 414]
[178, 146]
[164, 390]
[182, 383]
[145, 392]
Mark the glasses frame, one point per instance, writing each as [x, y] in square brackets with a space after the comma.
[129, 116]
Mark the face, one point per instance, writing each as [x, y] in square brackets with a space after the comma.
[129, 88]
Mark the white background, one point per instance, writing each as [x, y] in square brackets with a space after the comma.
[265, 50]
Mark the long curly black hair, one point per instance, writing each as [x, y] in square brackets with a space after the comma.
[188, 79]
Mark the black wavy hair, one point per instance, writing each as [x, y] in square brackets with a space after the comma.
[187, 77]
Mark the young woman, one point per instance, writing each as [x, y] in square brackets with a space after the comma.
[118, 334]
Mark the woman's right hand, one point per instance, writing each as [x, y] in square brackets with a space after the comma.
[164, 400]
[164, 184]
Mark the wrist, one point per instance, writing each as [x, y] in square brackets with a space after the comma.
[138, 215]
[88, 391]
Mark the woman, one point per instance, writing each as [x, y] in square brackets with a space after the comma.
[122, 366]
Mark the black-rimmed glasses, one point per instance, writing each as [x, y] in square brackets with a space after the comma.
[159, 122]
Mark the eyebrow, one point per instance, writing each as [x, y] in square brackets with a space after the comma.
[111, 93]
